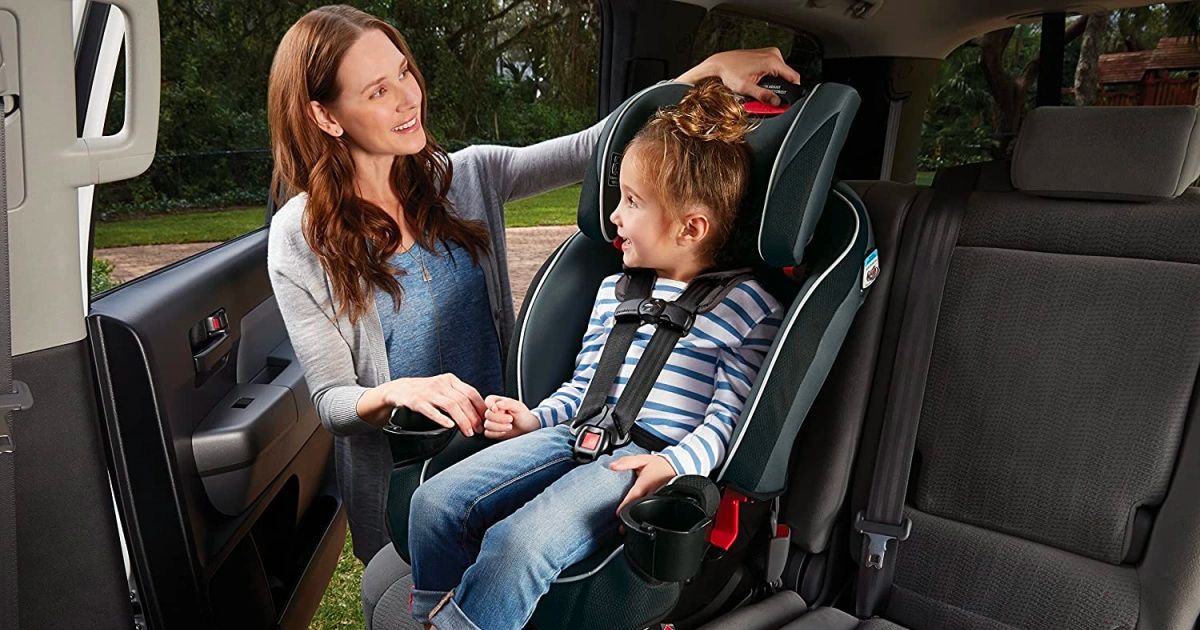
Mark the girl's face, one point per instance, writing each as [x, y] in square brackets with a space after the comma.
[379, 108]
[648, 233]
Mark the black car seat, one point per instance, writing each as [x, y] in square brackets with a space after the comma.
[1056, 465]
[794, 217]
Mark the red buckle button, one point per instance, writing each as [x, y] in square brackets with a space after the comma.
[590, 441]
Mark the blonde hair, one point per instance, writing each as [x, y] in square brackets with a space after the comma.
[695, 154]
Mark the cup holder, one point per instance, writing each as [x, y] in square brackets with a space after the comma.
[666, 534]
[412, 437]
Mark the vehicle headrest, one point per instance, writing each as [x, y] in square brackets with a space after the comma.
[793, 158]
[1121, 153]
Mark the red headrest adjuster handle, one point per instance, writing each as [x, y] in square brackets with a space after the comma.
[764, 109]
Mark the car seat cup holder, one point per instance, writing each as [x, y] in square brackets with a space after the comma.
[412, 437]
[666, 534]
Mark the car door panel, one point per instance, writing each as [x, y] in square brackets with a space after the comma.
[223, 466]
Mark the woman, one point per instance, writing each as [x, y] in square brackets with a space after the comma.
[389, 263]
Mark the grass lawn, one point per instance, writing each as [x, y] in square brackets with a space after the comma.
[556, 207]
[341, 607]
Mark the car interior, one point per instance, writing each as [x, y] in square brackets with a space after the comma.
[993, 428]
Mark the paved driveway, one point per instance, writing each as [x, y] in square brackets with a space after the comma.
[528, 248]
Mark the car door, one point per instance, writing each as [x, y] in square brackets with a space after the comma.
[172, 472]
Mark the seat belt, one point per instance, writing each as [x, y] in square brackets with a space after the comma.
[599, 427]
[883, 524]
[14, 396]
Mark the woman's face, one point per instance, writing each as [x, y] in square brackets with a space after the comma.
[379, 108]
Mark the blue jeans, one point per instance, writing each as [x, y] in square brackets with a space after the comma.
[490, 534]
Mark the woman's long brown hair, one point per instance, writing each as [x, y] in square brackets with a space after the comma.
[353, 238]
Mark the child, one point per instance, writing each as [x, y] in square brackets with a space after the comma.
[490, 534]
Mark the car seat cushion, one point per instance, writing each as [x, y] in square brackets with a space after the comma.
[953, 575]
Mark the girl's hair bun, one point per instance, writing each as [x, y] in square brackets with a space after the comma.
[709, 112]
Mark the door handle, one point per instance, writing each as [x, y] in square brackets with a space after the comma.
[213, 355]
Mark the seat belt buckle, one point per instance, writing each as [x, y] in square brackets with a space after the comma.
[777, 548]
[19, 399]
[591, 442]
[878, 536]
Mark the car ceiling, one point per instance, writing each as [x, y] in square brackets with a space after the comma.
[903, 28]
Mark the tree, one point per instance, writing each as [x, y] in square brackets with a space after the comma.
[1009, 80]
[1087, 69]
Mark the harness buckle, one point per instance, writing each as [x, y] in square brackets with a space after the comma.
[591, 442]
[878, 535]
[662, 313]
[596, 436]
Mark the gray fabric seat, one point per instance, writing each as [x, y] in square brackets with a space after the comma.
[386, 584]
[1057, 463]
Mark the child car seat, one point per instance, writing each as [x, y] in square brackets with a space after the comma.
[811, 245]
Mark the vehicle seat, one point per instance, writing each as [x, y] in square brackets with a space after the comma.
[794, 215]
[1057, 462]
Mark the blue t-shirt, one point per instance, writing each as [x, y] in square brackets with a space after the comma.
[443, 325]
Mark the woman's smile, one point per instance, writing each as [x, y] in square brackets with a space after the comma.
[410, 126]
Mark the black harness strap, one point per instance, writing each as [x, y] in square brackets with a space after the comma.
[598, 427]
[640, 283]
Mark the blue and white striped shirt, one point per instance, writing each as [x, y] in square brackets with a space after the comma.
[702, 388]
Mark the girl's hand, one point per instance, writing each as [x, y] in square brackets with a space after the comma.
[443, 398]
[507, 418]
[653, 472]
[741, 70]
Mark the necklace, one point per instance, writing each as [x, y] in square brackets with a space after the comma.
[420, 260]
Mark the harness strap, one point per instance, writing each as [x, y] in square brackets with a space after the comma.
[600, 428]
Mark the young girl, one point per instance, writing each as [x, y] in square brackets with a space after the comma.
[490, 534]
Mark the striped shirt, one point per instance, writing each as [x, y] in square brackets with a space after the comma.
[704, 384]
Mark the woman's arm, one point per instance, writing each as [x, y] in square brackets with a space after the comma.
[518, 172]
[324, 355]
[344, 405]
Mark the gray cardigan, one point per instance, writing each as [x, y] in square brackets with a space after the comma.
[342, 360]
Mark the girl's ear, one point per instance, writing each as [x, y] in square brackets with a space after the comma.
[324, 119]
[695, 228]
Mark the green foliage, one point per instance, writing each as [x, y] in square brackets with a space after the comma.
[102, 276]
[957, 127]
[504, 72]
[961, 121]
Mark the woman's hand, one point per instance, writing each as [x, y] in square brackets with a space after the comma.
[741, 70]
[507, 418]
[444, 398]
[653, 472]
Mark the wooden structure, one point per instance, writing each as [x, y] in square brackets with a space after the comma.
[1166, 75]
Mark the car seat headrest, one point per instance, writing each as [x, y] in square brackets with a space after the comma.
[1119, 153]
[793, 156]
